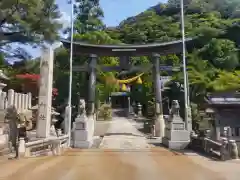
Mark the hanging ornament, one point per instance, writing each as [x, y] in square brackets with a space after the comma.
[124, 87]
[139, 80]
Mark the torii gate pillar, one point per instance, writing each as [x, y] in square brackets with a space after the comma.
[92, 84]
[159, 120]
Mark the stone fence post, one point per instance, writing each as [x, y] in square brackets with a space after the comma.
[224, 150]
[16, 99]
[233, 149]
[20, 100]
[5, 100]
[11, 97]
[29, 100]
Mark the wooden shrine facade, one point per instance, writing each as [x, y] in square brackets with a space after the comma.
[225, 112]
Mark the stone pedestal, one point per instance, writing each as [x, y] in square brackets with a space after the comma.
[83, 131]
[176, 137]
[159, 126]
[21, 147]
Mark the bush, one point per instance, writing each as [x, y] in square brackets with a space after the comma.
[105, 112]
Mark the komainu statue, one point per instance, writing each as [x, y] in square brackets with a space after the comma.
[175, 108]
[81, 108]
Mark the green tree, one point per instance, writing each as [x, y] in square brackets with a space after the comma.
[226, 81]
[31, 21]
[88, 16]
[222, 53]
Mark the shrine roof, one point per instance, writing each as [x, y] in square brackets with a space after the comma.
[225, 98]
[127, 49]
[119, 94]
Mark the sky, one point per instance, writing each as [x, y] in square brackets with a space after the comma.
[115, 11]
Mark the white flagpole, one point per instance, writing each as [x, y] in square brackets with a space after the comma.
[186, 95]
[70, 78]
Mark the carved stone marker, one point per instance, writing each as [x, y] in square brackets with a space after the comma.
[80, 126]
[176, 136]
[45, 94]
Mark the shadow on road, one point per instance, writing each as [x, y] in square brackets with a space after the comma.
[186, 152]
[123, 134]
[120, 113]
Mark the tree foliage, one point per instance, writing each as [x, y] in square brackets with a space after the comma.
[88, 16]
[212, 66]
[27, 21]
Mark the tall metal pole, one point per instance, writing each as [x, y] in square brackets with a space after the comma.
[186, 95]
[70, 78]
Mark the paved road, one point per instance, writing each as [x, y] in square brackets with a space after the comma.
[133, 162]
[155, 164]
[122, 134]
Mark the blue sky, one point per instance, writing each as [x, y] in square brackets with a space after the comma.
[114, 12]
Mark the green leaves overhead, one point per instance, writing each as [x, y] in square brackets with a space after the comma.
[88, 16]
[212, 66]
[222, 53]
[28, 20]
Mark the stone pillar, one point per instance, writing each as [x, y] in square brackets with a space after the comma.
[26, 101]
[4, 100]
[139, 109]
[2, 85]
[22, 103]
[21, 147]
[92, 84]
[233, 149]
[159, 121]
[45, 93]
[189, 119]
[217, 132]
[188, 111]
[11, 97]
[19, 101]
[66, 120]
[29, 100]
[129, 106]
[110, 101]
[16, 100]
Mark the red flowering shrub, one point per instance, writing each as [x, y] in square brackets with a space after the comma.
[31, 82]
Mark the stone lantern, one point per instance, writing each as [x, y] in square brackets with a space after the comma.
[53, 121]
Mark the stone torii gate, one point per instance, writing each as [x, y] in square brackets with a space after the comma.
[124, 52]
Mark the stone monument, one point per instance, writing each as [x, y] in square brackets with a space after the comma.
[83, 128]
[45, 94]
[176, 136]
